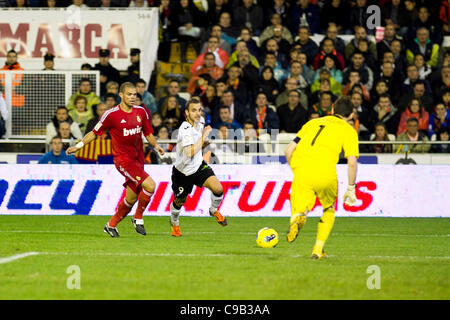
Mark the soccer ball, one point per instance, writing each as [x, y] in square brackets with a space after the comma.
[267, 238]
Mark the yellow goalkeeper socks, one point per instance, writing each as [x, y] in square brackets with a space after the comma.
[323, 231]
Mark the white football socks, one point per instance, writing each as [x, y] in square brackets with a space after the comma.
[174, 215]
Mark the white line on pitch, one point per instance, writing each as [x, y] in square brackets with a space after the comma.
[17, 257]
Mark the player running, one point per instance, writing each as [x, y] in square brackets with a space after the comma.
[126, 124]
[313, 156]
[190, 169]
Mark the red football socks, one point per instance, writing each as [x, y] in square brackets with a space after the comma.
[122, 210]
[143, 201]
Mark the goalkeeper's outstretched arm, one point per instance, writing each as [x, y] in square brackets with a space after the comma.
[86, 140]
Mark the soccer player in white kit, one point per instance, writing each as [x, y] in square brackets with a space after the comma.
[190, 169]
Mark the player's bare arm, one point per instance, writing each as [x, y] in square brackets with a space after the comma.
[152, 141]
[349, 196]
[290, 150]
[192, 149]
[86, 140]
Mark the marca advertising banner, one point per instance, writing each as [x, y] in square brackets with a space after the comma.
[75, 36]
[249, 190]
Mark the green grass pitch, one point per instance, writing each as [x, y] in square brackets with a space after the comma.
[214, 262]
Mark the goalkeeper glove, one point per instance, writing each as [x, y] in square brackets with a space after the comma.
[349, 196]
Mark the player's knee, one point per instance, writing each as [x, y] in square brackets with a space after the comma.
[217, 189]
[149, 185]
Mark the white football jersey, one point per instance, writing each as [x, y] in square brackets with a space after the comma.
[188, 135]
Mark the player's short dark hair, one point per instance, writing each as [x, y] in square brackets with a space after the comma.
[126, 85]
[192, 100]
[343, 106]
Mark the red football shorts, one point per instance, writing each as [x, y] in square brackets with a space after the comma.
[134, 174]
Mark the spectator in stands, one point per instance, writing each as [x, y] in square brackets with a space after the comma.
[84, 89]
[147, 98]
[410, 15]
[365, 73]
[11, 62]
[250, 73]
[225, 42]
[50, 3]
[107, 71]
[363, 114]
[201, 84]
[424, 20]
[324, 86]
[307, 45]
[209, 67]
[263, 116]
[112, 87]
[210, 102]
[352, 46]
[271, 46]
[292, 115]
[307, 72]
[380, 88]
[250, 15]
[324, 73]
[215, 9]
[391, 78]
[332, 33]
[359, 15]
[61, 115]
[172, 91]
[276, 23]
[76, 5]
[213, 47]
[441, 84]
[439, 119]
[283, 97]
[441, 135]
[80, 114]
[252, 46]
[138, 4]
[99, 110]
[241, 46]
[228, 28]
[369, 59]
[279, 73]
[226, 120]
[163, 134]
[392, 13]
[157, 122]
[133, 70]
[222, 133]
[57, 155]
[329, 62]
[389, 35]
[171, 109]
[4, 114]
[422, 65]
[328, 50]
[414, 110]
[305, 14]
[323, 108]
[86, 67]
[412, 77]
[251, 144]
[65, 133]
[280, 8]
[423, 44]
[417, 93]
[110, 100]
[221, 86]
[268, 84]
[295, 72]
[380, 134]
[399, 58]
[238, 111]
[237, 85]
[49, 63]
[334, 12]
[412, 133]
[387, 113]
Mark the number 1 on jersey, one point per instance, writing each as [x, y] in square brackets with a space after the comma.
[317, 134]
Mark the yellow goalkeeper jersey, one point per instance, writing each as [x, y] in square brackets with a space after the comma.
[321, 142]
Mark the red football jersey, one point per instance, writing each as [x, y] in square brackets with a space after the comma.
[126, 131]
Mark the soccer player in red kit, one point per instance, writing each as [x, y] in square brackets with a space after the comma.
[126, 124]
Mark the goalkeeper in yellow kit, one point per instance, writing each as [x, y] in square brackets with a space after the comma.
[313, 156]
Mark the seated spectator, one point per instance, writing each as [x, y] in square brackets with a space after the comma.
[389, 35]
[271, 45]
[330, 64]
[391, 78]
[354, 79]
[57, 155]
[441, 84]
[237, 85]
[223, 133]
[251, 144]
[279, 73]
[172, 91]
[238, 111]
[369, 59]
[202, 83]
[157, 122]
[381, 134]
[305, 14]
[332, 33]
[421, 64]
[283, 97]
[263, 116]
[363, 113]
[224, 42]
[227, 27]
[359, 15]
[423, 44]
[425, 20]
[99, 110]
[292, 115]
[147, 98]
[352, 46]
[439, 119]
[307, 72]
[171, 109]
[441, 135]
[295, 72]
[324, 73]
[249, 72]
[418, 92]
[226, 120]
[84, 90]
[61, 115]
[250, 15]
[328, 50]
[324, 86]
[163, 134]
[280, 8]
[215, 9]
[387, 113]
[380, 88]
[334, 13]
[409, 16]
[283, 45]
[414, 110]
[252, 46]
[323, 108]
[80, 114]
[268, 84]
[275, 23]
[400, 61]
[357, 64]
[412, 133]
[110, 100]
[307, 45]
[209, 67]
[241, 46]
[220, 54]
[113, 88]
[65, 133]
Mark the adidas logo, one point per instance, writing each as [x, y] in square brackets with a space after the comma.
[123, 121]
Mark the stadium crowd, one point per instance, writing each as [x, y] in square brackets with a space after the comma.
[258, 67]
